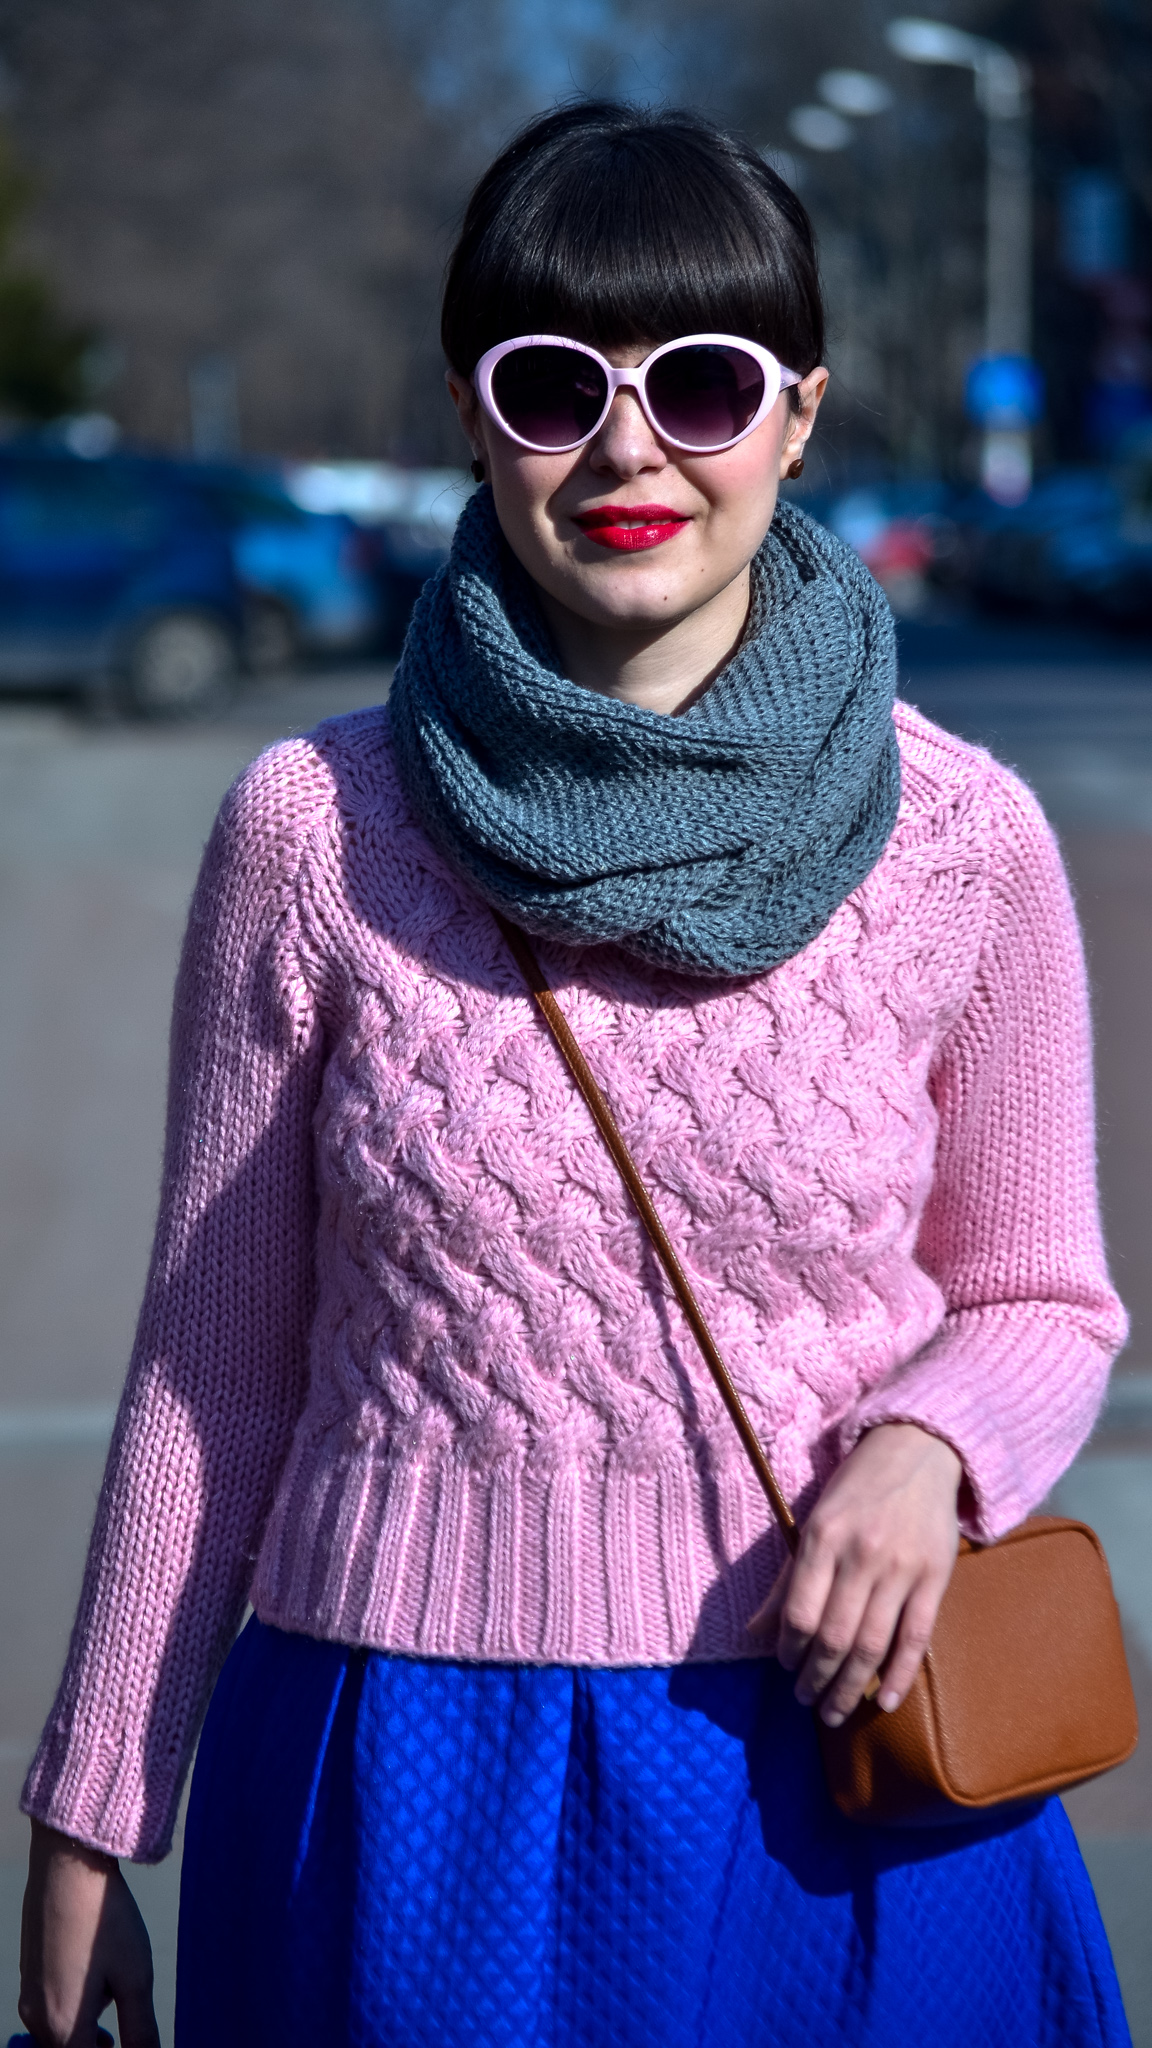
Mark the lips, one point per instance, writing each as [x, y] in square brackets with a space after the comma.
[631, 527]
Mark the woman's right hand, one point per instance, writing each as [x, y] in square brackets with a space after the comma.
[83, 1946]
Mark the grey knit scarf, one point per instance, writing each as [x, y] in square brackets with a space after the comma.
[718, 842]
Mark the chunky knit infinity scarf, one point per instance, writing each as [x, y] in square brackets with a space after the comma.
[719, 841]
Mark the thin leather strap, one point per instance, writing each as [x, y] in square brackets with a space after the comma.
[524, 954]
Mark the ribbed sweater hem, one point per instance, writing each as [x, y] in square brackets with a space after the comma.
[604, 1566]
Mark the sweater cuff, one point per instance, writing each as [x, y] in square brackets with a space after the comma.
[1015, 1390]
[101, 1788]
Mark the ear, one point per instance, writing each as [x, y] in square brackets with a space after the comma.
[469, 411]
[801, 423]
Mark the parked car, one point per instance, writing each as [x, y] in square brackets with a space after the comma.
[114, 577]
[403, 556]
[902, 529]
[311, 580]
[406, 518]
[1080, 542]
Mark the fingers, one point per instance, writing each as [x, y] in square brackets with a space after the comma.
[130, 1969]
[804, 1600]
[51, 2030]
[59, 2013]
[137, 2021]
[888, 1630]
[913, 1637]
[84, 1944]
[63, 1904]
[850, 1645]
[818, 1620]
[819, 1624]
[862, 1593]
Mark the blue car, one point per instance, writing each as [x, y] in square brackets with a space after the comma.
[114, 578]
[1081, 541]
[309, 578]
[404, 517]
[403, 555]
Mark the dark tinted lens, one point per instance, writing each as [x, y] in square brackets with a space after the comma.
[552, 396]
[705, 395]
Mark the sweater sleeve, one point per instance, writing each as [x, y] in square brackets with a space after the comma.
[1015, 1376]
[217, 1377]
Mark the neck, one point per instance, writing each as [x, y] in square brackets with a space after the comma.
[657, 668]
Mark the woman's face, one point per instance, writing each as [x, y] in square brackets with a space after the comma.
[695, 521]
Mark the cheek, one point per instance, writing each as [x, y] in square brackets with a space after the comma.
[524, 486]
[742, 483]
[741, 500]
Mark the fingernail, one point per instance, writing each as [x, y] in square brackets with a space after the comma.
[833, 1719]
[804, 1696]
[889, 1701]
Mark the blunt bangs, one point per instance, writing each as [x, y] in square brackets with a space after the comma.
[619, 227]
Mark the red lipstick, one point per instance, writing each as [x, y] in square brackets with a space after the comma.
[631, 527]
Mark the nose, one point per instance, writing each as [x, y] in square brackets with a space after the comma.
[626, 445]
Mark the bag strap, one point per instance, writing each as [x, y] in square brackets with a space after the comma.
[525, 956]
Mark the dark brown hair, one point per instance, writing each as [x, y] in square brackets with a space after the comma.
[619, 225]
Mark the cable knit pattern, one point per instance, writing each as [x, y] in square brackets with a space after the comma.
[404, 1348]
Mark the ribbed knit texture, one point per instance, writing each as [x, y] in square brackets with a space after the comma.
[406, 1369]
[718, 842]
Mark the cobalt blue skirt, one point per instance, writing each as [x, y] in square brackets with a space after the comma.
[389, 1853]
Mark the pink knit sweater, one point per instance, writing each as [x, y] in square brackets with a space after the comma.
[406, 1373]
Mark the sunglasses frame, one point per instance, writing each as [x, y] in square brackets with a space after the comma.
[776, 378]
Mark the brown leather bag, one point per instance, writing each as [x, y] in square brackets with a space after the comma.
[1024, 1689]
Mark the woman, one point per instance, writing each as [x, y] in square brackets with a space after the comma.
[518, 1749]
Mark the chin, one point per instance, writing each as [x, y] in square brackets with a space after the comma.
[625, 604]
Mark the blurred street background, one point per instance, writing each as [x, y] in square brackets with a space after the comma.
[227, 463]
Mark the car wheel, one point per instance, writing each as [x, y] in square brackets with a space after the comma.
[180, 665]
[271, 640]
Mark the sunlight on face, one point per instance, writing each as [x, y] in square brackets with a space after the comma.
[680, 528]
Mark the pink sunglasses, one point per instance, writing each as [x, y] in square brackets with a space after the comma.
[701, 394]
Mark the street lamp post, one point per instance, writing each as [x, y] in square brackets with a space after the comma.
[1001, 82]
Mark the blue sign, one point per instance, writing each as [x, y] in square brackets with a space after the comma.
[1004, 391]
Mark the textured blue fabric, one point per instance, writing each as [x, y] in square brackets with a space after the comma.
[718, 842]
[386, 1851]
